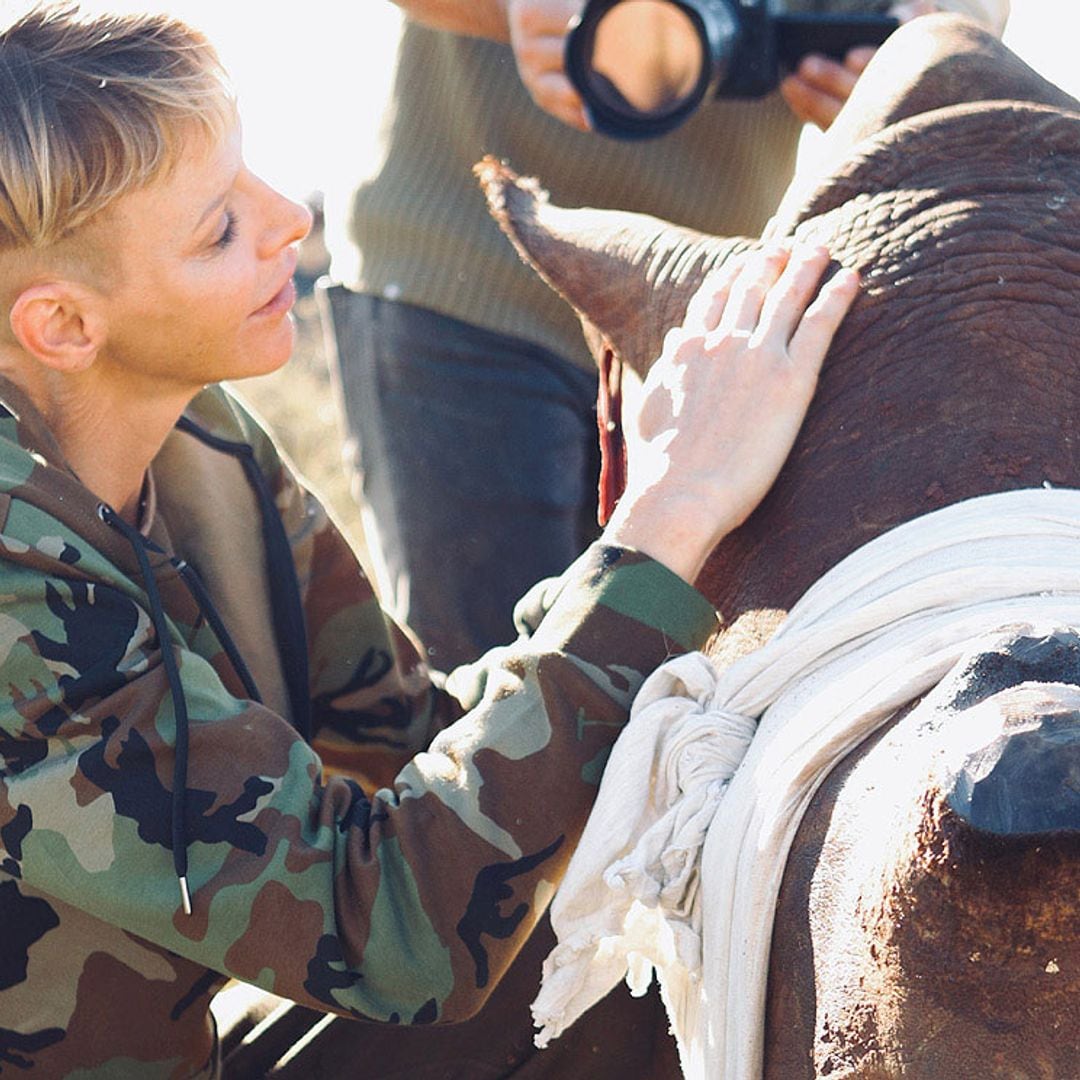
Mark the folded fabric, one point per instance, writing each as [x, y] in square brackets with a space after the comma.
[681, 860]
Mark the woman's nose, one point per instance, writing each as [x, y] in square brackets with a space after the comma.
[299, 221]
[288, 222]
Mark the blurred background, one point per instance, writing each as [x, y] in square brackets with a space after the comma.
[312, 78]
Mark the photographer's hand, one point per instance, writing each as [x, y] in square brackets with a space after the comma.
[723, 404]
[817, 90]
[538, 31]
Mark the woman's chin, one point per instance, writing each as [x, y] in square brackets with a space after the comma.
[274, 355]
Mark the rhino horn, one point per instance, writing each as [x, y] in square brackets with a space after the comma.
[628, 276]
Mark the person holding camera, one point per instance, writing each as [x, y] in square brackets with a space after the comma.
[469, 393]
[446, 340]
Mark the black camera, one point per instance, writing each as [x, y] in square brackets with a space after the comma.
[643, 66]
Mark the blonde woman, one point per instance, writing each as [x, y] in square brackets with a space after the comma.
[185, 638]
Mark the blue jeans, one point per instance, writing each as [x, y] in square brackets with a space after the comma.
[477, 458]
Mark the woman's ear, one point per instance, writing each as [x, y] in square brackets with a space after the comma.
[59, 323]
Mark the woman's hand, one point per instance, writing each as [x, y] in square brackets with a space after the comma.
[723, 404]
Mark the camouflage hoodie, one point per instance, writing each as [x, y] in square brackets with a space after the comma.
[126, 767]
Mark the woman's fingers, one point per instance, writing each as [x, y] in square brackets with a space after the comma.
[816, 328]
[766, 297]
[707, 304]
[786, 307]
[750, 288]
[788, 299]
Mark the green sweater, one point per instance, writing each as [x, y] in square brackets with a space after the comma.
[420, 222]
[300, 883]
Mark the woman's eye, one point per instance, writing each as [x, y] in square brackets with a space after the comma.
[228, 234]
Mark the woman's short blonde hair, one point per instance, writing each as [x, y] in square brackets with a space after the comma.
[93, 107]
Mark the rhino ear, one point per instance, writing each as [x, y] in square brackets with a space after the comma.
[628, 276]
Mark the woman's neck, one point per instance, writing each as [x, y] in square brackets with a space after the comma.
[108, 431]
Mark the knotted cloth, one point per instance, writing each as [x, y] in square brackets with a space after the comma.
[681, 860]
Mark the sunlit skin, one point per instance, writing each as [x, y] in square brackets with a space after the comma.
[205, 290]
[198, 289]
[722, 405]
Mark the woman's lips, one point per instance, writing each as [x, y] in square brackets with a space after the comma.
[281, 301]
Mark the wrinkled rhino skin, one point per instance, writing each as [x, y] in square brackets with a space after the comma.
[953, 185]
[936, 947]
[965, 223]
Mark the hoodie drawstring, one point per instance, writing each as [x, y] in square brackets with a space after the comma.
[289, 627]
[180, 761]
[202, 598]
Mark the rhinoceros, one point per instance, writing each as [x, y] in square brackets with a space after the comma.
[940, 941]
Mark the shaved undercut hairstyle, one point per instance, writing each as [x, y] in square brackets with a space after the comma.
[93, 107]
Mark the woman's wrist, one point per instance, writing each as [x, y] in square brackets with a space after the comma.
[674, 528]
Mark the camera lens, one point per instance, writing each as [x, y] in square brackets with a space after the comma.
[641, 66]
[649, 54]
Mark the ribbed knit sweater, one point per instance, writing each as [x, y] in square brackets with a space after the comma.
[420, 222]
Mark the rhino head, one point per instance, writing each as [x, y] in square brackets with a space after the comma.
[945, 935]
[951, 182]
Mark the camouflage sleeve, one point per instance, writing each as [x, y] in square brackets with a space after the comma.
[372, 707]
[406, 907]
